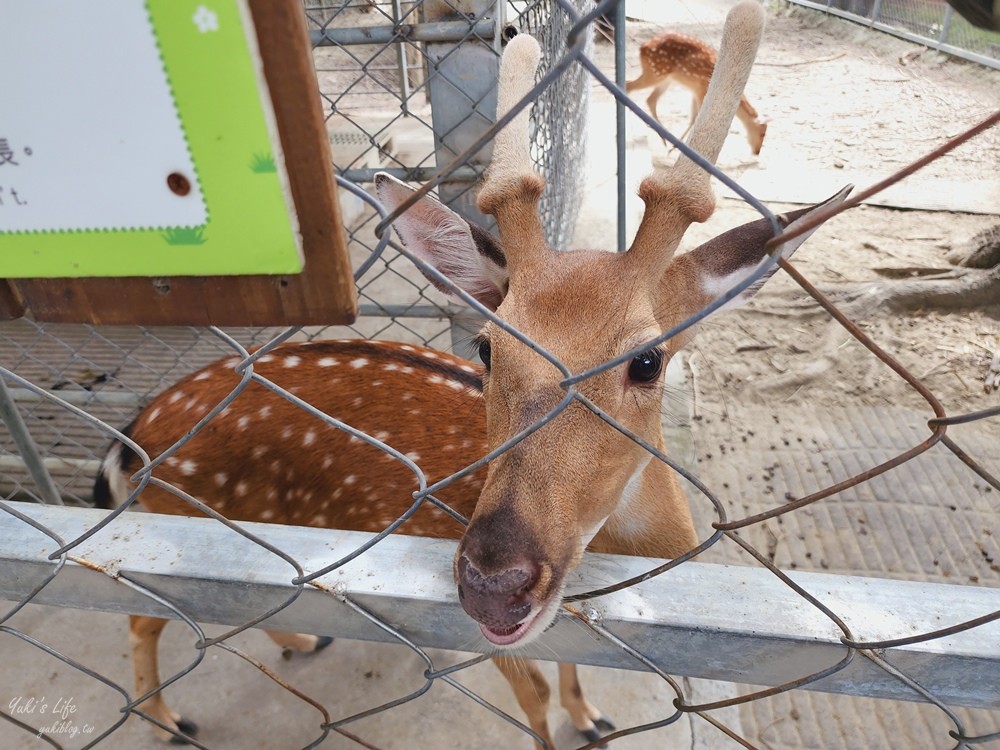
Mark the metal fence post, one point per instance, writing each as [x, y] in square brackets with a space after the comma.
[462, 89]
[401, 62]
[620, 136]
[11, 417]
[876, 10]
[946, 24]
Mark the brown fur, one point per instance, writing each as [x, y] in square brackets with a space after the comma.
[265, 458]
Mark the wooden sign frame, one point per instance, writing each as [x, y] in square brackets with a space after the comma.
[323, 294]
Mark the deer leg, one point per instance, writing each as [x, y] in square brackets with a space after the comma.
[585, 717]
[307, 644]
[654, 98]
[696, 101]
[646, 79]
[532, 693]
[144, 638]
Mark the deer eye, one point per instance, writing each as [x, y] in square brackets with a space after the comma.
[485, 352]
[646, 367]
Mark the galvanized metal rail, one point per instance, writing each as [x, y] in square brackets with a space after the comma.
[738, 624]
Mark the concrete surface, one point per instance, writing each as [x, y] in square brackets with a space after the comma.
[238, 708]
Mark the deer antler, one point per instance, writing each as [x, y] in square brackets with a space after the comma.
[511, 188]
[678, 196]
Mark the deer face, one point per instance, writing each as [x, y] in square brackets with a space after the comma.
[546, 497]
[756, 132]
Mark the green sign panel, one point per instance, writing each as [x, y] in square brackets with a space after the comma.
[137, 139]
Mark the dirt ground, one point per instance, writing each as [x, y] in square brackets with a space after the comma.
[847, 100]
[785, 400]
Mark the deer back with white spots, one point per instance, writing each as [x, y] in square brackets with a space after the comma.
[263, 458]
[690, 62]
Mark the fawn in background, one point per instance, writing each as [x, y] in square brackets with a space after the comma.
[689, 61]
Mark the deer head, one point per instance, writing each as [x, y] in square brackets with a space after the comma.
[576, 480]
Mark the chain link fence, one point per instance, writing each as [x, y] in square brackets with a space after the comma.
[377, 103]
[933, 23]
[74, 386]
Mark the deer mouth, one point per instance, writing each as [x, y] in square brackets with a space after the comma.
[508, 636]
[538, 620]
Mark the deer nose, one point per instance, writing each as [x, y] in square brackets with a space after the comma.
[497, 600]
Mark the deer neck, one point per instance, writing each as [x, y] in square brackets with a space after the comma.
[652, 517]
[746, 112]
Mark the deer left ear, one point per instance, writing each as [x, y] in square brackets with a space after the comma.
[464, 252]
[724, 261]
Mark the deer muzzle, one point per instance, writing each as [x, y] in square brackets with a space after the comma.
[506, 582]
[501, 602]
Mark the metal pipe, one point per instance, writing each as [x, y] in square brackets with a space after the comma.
[946, 24]
[444, 312]
[777, 637]
[86, 465]
[620, 119]
[81, 398]
[404, 73]
[412, 174]
[11, 416]
[439, 31]
[876, 10]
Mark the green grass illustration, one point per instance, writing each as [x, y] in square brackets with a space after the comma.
[185, 236]
[263, 162]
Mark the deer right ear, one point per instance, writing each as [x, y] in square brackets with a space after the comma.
[464, 252]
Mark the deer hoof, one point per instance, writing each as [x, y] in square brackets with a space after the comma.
[604, 724]
[601, 727]
[322, 642]
[185, 726]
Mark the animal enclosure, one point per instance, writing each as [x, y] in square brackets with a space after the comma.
[816, 459]
[932, 22]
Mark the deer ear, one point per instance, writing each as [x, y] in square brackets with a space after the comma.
[464, 252]
[724, 261]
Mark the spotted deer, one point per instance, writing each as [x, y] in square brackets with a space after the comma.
[689, 61]
[574, 484]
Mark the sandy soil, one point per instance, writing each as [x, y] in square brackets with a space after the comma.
[854, 103]
[844, 98]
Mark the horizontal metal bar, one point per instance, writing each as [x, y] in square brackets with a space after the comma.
[411, 174]
[440, 31]
[903, 34]
[443, 312]
[82, 398]
[9, 462]
[719, 622]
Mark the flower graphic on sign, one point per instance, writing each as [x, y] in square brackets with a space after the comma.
[206, 20]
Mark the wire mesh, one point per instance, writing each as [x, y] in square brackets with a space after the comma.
[377, 105]
[933, 21]
[75, 385]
